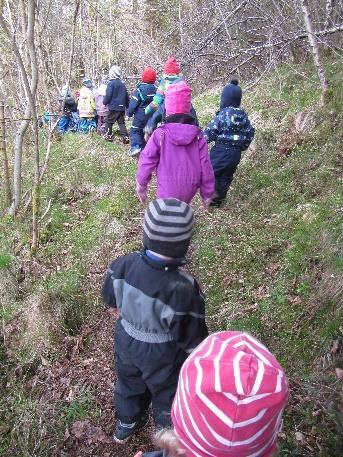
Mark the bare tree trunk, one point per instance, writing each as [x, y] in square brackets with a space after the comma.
[71, 56]
[180, 24]
[315, 48]
[4, 154]
[329, 11]
[29, 90]
[31, 21]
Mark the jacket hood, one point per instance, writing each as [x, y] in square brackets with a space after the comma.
[181, 134]
[101, 89]
[231, 95]
[85, 92]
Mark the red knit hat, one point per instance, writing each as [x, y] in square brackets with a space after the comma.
[171, 67]
[230, 398]
[149, 75]
[178, 98]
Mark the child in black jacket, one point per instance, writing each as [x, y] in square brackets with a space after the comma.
[117, 100]
[232, 132]
[161, 317]
[140, 99]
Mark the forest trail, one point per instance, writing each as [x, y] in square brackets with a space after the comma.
[267, 262]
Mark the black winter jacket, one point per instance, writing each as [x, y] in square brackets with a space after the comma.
[116, 96]
[140, 99]
[157, 302]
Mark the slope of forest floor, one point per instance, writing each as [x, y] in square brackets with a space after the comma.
[268, 262]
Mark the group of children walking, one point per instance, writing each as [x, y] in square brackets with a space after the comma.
[211, 395]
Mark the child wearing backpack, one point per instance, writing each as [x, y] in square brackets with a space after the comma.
[229, 401]
[117, 100]
[232, 132]
[161, 317]
[86, 108]
[171, 75]
[178, 152]
[140, 99]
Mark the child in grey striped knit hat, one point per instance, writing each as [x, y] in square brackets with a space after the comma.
[161, 317]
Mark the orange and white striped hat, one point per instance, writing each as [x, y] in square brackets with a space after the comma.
[230, 398]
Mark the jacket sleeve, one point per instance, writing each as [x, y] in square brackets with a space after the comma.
[107, 291]
[249, 135]
[127, 98]
[134, 103]
[149, 159]
[154, 120]
[188, 325]
[207, 184]
[108, 96]
[156, 101]
[212, 130]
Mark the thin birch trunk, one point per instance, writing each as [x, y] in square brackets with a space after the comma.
[29, 90]
[7, 186]
[31, 21]
[315, 48]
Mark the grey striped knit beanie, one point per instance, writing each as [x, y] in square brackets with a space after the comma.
[168, 225]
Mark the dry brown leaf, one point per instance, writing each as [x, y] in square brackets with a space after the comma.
[335, 347]
[300, 437]
[339, 373]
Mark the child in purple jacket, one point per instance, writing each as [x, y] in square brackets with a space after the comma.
[178, 152]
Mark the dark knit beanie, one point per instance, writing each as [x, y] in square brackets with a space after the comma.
[167, 229]
[231, 95]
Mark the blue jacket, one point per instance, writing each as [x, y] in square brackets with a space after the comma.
[116, 96]
[231, 125]
[140, 99]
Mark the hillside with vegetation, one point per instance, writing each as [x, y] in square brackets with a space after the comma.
[269, 263]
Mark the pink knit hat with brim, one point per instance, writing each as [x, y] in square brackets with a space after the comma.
[230, 398]
[178, 98]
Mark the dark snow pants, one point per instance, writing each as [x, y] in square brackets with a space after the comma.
[224, 160]
[137, 137]
[146, 373]
[112, 118]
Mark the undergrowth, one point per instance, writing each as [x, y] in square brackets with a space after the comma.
[269, 260]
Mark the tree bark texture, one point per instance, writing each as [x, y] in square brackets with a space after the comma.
[314, 46]
[7, 186]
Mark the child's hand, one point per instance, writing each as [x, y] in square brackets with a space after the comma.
[112, 311]
[139, 454]
[141, 193]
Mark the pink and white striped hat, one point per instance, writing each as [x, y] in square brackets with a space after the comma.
[230, 398]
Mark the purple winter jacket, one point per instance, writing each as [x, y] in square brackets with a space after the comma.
[179, 154]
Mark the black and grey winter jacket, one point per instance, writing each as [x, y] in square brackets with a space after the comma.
[157, 302]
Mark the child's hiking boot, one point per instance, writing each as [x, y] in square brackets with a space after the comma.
[135, 151]
[126, 140]
[216, 203]
[124, 431]
[108, 137]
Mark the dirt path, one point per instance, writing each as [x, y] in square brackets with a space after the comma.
[87, 373]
